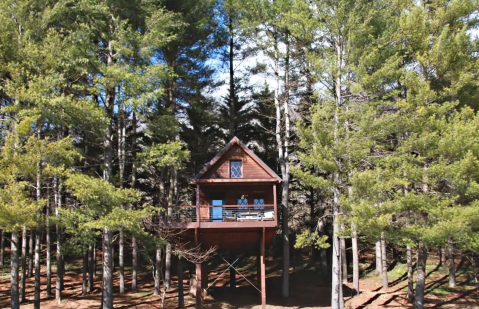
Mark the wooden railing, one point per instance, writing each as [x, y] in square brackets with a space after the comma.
[223, 213]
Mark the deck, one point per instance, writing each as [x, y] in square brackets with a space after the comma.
[223, 217]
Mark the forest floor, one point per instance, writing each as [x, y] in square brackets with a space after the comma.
[307, 289]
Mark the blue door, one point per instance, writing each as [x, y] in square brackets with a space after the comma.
[217, 212]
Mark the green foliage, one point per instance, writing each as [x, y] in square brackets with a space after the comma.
[308, 239]
[167, 154]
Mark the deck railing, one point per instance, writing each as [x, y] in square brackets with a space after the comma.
[237, 213]
[223, 213]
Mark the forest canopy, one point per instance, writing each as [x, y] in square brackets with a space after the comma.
[367, 110]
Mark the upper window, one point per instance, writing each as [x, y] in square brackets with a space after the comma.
[236, 169]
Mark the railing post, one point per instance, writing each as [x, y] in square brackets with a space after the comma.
[275, 204]
[198, 205]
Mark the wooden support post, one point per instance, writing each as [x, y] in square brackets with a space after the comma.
[232, 275]
[198, 286]
[258, 269]
[263, 270]
[181, 300]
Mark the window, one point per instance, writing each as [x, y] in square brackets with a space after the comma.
[258, 202]
[236, 169]
[242, 202]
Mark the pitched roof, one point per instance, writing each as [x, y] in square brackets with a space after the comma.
[236, 141]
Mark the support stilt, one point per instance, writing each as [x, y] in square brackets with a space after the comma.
[258, 269]
[232, 278]
[198, 286]
[263, 270]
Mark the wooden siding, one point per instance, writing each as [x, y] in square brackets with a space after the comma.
[231, 194]
[251, 169]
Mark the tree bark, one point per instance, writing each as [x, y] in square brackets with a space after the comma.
[379, 264]
[452, 264]
[384, 262]
[157, 272]
[168, 267]
[84, 272]
[421, 276]
[107, 282]
[24, 263]
[31, 250]
[181, 301]
[49, 249]
[14, 272]
[2, 247]
[91, 269]
[410, 274]
[133, 186]
[36, 303]
[107, 300]
[354, 244]
[121, 157]
[94, 260]
[337, 300]
[344, 261]
[59, 274]
[231, 75]
[121, 261]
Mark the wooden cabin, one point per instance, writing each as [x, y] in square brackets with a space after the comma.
[236, 206]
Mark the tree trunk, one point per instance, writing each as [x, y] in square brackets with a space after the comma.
[2, 248]
[110, 95]
[135, 264]
[107, 301]
[112, 255]
[354, 244]
[384, 262]
[157, 272]
[379, 264]
[84, 272]
[410, 274]
[168, 267]
[91, 267]
[31, 250]
[421, 276]
[49, 249]
[344, 260]
[231, 73]
[36, 303]
[181, 301]
[58, 201]
[121, 157]
[452, 264]
[171, 203]
[14, 271]
[94, 260]
[337, 302]
[121, 261]
[133, 186]
[24, 263]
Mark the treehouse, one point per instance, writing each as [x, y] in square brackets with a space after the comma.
[236, 208]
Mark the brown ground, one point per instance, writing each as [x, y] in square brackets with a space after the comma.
[306, 288]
